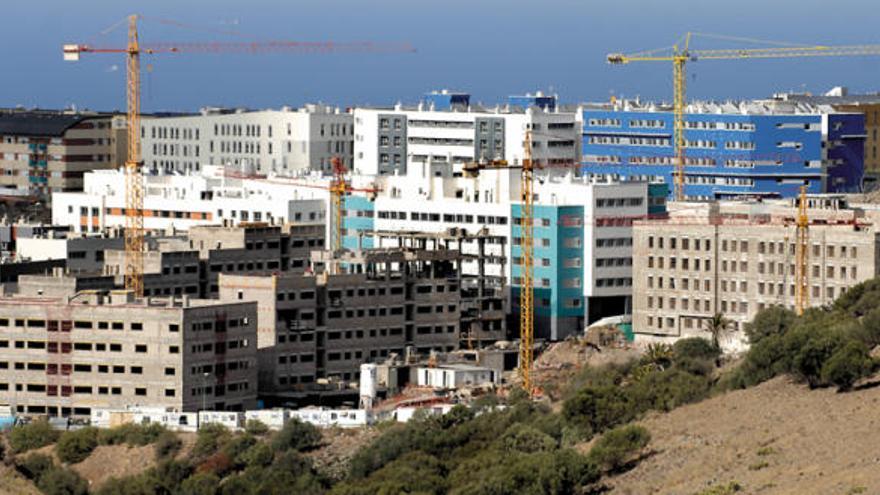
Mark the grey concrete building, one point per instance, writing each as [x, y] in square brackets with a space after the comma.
[65, 355]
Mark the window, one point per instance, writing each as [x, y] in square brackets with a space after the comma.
[140, 391]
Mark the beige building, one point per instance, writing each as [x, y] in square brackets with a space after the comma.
[739, 258]
[67, 354]
[43, 151]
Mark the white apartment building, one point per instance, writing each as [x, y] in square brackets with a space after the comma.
[397, 139]
[261, 142]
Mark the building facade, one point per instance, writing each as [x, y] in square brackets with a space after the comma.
[64, 356]
[45, 151]
[444, 131]
[737, 259]
[757, 149]
[260, 142]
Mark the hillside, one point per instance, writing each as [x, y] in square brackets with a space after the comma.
[778, 437]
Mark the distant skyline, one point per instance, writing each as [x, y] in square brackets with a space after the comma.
[489, 48]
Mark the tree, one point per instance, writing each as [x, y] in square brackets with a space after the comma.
[598, 408]
[525, 438]
[34, 465]
[717, 326]
[846, 365]
[297, 435]
[256, 427]
[200, 484]
[32, 436]
[618, 447]
[167, 445]
[211, 438]
[811, 358]
[61, 481]
[775, 320]
[75, 446]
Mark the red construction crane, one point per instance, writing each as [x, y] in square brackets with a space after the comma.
[134, 193]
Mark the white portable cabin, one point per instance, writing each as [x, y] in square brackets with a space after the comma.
[406, 413]
[273, 418]
[232, 420]
[454, 376]
[175, 421]
[344, 418]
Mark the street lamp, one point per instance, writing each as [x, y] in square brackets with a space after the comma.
[205, 376]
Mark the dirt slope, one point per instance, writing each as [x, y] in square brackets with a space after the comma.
[777, 438]
[12, 483]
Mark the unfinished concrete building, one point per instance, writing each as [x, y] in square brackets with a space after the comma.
[66, 354]
[191, 264]
[377, 303]
[739, 258]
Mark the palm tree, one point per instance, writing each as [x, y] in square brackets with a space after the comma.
[717, 325]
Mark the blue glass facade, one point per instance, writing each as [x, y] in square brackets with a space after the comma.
[728, 154]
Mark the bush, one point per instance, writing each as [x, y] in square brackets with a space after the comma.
[811, 358]
[598, 408]
[666, 390]
[775, 320]
[132, 485]
[211, 438]
[846, 365]
[694, 348]
[260, 455]
[34, 465]
[61, 481]
[167, 445]
[75, 446]
[32, 436]
[200, 484]
[297, 435]
[256, 427]
[617, 447]
[527, 439]
[131, 434]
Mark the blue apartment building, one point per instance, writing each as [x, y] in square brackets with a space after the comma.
[732, 150]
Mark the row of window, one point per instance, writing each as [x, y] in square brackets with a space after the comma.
[660, 263]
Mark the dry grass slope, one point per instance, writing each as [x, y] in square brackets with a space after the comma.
[776, 438]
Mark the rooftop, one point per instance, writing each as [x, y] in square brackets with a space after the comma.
[20, 122]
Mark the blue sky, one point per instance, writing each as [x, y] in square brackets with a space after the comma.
[490, 48]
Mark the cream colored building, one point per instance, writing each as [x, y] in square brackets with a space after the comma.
[67, 355]
[739, 258]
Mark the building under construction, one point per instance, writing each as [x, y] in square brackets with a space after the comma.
[363, 306]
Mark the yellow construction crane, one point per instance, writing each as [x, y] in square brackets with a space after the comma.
[134, 187]
[681, 53]
[802, 277]
[527, 286]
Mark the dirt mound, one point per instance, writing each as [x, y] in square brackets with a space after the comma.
[115, 461]
[776, 438]
[339, 445]
[12, 483]
[562, 360]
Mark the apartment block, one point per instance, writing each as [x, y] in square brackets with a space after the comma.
[445, 131]
[83, 252]
[739, 258]
[756, 149]
[47, 151]
[65, 355]
[262, 142]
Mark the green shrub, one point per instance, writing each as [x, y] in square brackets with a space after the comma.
[61, 481]
[617, 447]
[846, 365]
[32, 436]
[256, 427]
[297, 435]
[200, 484]
[131, 434]
[666, 390]
[34, 465]
[527, 439]
[775, 320]
[75, 446]
[167, 445]
[810, 359]
[598, 408]
[131, 485]
[210, 439]
[259, 455]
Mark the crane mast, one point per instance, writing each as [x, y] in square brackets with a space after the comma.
[527, 287]
[802, 278]
[681, 55]
[134, 185]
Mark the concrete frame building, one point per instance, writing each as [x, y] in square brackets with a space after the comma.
[262, 142]
[65, 355]
[739, 258]
[757, 149]
[323, 327]
[48, 151]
